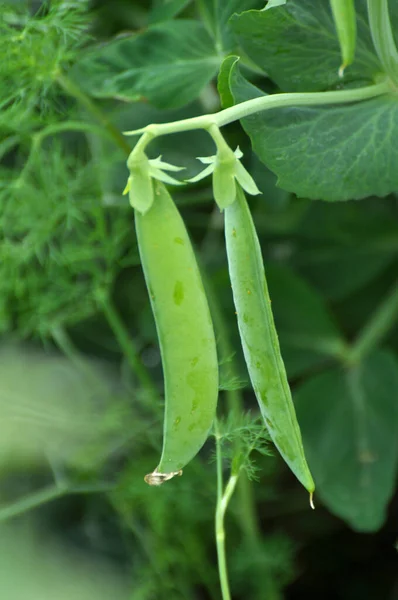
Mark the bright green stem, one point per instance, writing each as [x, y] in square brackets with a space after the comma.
[223, 498]
[221, 144]
[127, 344]
[382, 35]
[378, 326]
[250, 107]
[73, 90]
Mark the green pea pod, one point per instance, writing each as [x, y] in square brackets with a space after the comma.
[185, 332]
[346, 25]
[259, 338]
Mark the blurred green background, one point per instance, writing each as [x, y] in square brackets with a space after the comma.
[80, 372]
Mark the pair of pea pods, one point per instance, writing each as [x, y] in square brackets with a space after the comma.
[184, 325]
[187, 341]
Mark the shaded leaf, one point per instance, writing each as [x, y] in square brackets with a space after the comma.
[300, 311]
[297, 45]
[168, 64]
[166, 9]
[349, 422]
[345, 247]
[306, 329]
[339, 271]
[217, 14]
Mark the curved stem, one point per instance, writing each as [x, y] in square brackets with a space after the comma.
[73, 90]
[383, 38]
[250, 107]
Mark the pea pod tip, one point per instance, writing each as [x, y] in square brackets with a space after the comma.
[157, 478]
[312, 500]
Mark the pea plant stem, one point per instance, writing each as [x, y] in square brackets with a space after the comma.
[250, 107]
[224, 495]
[223, 498]
[383, 38]
[379, 324]
[73, 90]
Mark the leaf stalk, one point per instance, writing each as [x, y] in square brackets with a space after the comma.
[383, 38]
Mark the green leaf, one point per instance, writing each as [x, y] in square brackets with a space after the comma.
[349, 422]
[344, 247]
[307, 331]
[328, 153]
[297, 45]
[223, 88]
[300, 312]
[339, 271]
[216, 13]
[166, 9]
[168, 64]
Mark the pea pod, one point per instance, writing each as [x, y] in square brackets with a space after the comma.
[185, 332]
[259, 338]
[346, 26]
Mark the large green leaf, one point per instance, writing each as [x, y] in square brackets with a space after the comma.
[168, 64]
[297, 45]
[329, 153]
[341, 248]
[338, 271]
[305, 327]
[302, 318]
[349, 422]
